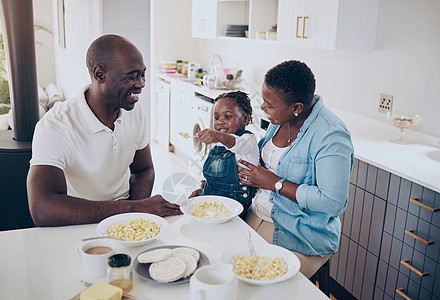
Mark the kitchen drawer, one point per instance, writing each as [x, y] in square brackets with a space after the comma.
[389, 280]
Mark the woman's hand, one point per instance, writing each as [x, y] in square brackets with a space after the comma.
[196, 193]
[257, 176]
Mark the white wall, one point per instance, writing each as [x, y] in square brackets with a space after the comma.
[405, 63]
[130, 19]
[44, 42]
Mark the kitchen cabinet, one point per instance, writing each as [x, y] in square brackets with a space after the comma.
[204, 18]
[390, 241]
[325, 24]
[180, 113]
[210, 17]
[328, 24]
[162, 113]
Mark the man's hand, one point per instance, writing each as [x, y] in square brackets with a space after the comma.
[157, 205]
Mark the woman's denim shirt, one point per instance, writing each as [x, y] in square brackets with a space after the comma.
[320, 161]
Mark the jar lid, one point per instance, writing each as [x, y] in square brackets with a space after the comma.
[119, 260]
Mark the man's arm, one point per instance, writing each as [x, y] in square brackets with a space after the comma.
[142, 174]
[50, 205]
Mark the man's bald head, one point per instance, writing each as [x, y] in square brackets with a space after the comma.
[102, 51]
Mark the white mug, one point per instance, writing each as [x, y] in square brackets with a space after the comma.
[95, 258]
[214, 282]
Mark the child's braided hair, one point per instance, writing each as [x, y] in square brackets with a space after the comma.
[242, 100]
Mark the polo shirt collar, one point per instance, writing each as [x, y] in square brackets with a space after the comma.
[91, 120]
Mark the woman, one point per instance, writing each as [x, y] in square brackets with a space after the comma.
[306, 157]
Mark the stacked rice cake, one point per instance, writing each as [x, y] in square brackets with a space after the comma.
[168, 265]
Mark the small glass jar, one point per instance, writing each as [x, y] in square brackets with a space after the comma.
[179, 67]
[119, 272]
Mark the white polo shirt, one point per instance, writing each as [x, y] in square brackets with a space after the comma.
[95, 159]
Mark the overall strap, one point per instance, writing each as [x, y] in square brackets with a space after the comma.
[244, 132]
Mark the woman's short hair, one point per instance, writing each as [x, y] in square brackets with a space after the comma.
[294, 80]
[242, 100]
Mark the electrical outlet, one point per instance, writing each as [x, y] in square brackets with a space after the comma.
[385, 103]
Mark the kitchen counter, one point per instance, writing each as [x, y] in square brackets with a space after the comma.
[418, 162]
[42, 263]
[200, 89]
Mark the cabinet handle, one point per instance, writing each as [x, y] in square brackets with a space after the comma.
[402, 293]
[412, 268]
[304, 27]
[411, 233]
[202, 25]
[416, 201]
[297, 27]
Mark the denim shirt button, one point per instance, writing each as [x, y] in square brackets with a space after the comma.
[271, 198]
[244, 188]
[245, 195]
[276, 229]
[273, 211]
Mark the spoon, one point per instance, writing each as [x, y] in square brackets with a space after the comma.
[187, 136]
[101, 237]
[251, 250]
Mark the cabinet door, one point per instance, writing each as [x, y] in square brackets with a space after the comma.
[204, 18]
[162, 116]
[310, 23]
[181, 116]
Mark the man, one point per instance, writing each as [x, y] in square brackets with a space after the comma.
[93, 149]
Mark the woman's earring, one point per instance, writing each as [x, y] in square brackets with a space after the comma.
[296, 114]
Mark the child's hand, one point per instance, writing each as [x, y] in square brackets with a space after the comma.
[209, 136]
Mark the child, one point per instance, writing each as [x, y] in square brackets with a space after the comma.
[232, 112]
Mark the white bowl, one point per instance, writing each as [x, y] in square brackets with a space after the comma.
[232, 205]
[267, 250]
[104, 225]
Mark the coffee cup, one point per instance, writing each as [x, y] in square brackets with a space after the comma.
[214, 282]
[94, 256]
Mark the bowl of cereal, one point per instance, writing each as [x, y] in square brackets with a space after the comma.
[277, 263]
[134, 229]
[211, 209]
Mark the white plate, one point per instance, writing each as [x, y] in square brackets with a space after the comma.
[232, 205]
[267, 250]
[105, 224]
[144, 269]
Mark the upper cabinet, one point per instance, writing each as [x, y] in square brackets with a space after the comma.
[326, 24]
[204, 18]
[212, 18]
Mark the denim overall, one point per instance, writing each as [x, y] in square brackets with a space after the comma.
[220, 171]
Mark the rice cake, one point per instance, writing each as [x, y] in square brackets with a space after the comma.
[168, 270]
[187, 251]
[190, 262]
[154, 255]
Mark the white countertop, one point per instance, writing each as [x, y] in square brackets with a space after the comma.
[42, 263]
[418, 162]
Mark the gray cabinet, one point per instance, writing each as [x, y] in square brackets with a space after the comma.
[390, 239]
